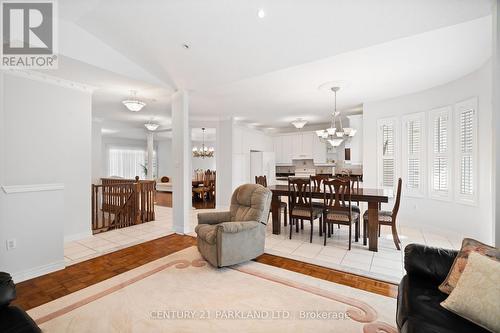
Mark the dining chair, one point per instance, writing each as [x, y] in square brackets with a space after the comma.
[386, 218]
[301, 205]
[338, 208]
[204, 188]
[262, 180]
[354, 186]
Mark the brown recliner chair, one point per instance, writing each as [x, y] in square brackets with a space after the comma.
[236, 236]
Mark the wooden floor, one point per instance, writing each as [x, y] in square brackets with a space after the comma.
[46, 288]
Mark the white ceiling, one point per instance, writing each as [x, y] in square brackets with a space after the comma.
[268, 70]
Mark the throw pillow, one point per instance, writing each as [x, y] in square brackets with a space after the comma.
[468, 245]
[476, 295]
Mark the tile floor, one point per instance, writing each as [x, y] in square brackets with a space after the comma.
[386, 264]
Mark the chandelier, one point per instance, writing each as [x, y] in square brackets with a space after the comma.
[204, 151]
[333, 136]
[133, 104]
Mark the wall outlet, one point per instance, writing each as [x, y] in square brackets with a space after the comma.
[11, 244]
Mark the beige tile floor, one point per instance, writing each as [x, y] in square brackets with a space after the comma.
[386, 264]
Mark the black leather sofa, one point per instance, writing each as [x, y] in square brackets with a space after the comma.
[419, 309]
[12, 318]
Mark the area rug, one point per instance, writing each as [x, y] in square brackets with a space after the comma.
[182, 293]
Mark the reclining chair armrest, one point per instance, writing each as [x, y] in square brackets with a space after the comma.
[214, 217]
[7, 289]
[235, 227]
[429, 262]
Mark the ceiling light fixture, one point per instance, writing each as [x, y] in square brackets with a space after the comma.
[261, 13]
[333, 135]
[133, 104]
[204, 151]
[299, 123]
[152, 126]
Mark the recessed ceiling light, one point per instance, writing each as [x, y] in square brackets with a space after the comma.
[261, 13]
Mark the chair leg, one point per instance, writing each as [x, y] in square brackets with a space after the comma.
[311, 237]
[324, 232]
[291, 227]
[395, 236]
[302, 224]
[364, 232]
[356, 230]
[296, 225]
[379, 227]
[350, 228]
[285, 212]
[320, 226]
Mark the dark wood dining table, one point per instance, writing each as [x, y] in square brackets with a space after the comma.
[374, 197]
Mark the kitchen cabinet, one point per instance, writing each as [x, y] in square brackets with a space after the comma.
[304, 145]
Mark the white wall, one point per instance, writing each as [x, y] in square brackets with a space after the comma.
[46, 159]
[97, 168]
[165, 161]
[473, 221]
[204, 163]
[244, 141]
[356, 142]
[496, 117]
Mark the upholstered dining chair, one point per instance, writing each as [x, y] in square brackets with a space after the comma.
[238, 235]
[301, 205]
[262, 180]
[338, 207]
[387, 218]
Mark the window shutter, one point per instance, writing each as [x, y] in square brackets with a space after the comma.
[466, 150]
[466, 142]
[386, 152]
[440, 158]
[413, 157]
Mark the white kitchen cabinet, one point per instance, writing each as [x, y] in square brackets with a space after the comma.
[319, 150]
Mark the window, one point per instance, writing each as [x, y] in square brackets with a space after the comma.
[128, 162]
[465, 157]
[440, 154]
[413, 156]
[387, 153]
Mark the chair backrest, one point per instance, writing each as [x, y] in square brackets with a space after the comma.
[317, 182]
[300, 195]
[251, 202]
[395, 209]
[337, 194]
[261, 180]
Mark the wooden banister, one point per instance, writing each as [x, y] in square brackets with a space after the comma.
[119, 203]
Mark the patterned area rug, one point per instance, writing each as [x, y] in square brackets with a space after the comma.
[182, 293]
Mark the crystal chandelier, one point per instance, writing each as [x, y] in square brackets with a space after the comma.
[133, 104]
[333, 136]
[204, 151]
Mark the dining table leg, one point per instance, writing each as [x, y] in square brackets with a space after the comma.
[373, 226]
[275, 212]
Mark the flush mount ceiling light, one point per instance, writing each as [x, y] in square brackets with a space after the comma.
[133, 104]
[261, 13]
[151, 126]
[299, 123]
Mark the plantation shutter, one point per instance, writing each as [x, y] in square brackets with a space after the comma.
[440, 152]
[466, 122]
[413, 146]
[388, 162]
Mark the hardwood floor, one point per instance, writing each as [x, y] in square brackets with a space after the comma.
[43, 289]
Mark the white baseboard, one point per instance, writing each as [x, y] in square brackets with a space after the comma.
[75, 237]
[38, 271]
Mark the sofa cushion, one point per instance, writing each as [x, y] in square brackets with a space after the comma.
[468, 245]
[207, 232]
[419, 310]
[476, 295]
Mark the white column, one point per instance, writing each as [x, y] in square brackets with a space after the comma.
[496, 121]
[225, 163]
[181, 153]
[150, 138]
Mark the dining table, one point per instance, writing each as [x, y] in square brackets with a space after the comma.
[373, 196]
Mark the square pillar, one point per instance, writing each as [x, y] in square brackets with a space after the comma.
[150, 138]
[224, 180]
[181, 154]
[496, 120]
